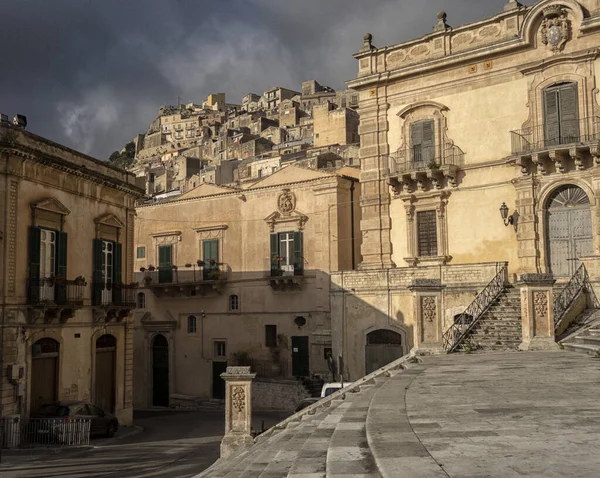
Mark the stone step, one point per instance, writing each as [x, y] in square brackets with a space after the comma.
[582, 348]
[587, 339]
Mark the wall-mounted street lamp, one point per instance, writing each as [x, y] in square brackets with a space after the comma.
[508, 220]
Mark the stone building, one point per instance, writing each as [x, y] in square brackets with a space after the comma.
[334, 125]
[66, 260]
[480, 162]
[240, 275]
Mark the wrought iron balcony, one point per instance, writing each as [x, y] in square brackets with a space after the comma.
[52, 298]
[574, 141]
[283, 276]
[413, 167]
[186, 278]
[121, 296]
[555, 135]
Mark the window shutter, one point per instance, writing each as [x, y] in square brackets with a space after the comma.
[61, 266]
[97, 279]
[117, 274]
[427, 233]
[551, 117]
[428, 145]
[274, 254]
[298, 254]
[34, 264]
[416, 141]
[165, 264]
[568, 108]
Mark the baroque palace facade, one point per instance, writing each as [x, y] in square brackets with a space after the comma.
[479, 158]
[66, 242]
[240, 276]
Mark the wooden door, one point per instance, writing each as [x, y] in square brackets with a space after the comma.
[383, 347]
[300, 357]
[44, 373]
[218, 384]
[105, 376]
[160, 372]
[569, 230]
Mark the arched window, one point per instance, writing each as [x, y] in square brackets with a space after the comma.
[141, 300]
[234, 302]
[191, 324]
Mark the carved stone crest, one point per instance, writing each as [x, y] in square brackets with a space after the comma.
[429, 308]
[286, 202]
[540, 301]
[238, 399]
[555, 28]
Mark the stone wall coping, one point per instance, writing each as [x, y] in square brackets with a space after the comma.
[238, 373]
[541, 279]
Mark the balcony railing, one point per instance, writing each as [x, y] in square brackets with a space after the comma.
[186, 274]
[418, 158]
[280, 267]
[554, 135]
[55, 292]
[116, 295]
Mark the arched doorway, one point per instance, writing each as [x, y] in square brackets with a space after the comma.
[569, 230]
[105, 379]
[44, 372]
[160, 371]
[383, 346]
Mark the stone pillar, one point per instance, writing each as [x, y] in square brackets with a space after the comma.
[427, 296]
[537, 312]
[238, 410]
[527, 235]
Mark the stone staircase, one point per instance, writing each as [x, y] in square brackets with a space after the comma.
[585, 334]
[500, 326]
[346, 434]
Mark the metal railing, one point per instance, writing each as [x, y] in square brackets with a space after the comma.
[55, 291]
[580, 282]
[280, 268]
[553, 135]
[186, 274]
[455, 335]
[16, 432]
[116, 294]
[420, 158]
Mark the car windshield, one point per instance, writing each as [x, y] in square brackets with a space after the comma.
[330, 390]
[53, 411]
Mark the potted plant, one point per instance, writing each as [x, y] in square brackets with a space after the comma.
[200, 263]
[151, 268]
[79, 280]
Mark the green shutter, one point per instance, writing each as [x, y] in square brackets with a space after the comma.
[274, 254]
[165, 264]
[117, 294]
[298, 253]
[97, 279]
[568, 108]
[416, 142]
[428, 145]
[34, 264]
[61, 267]
[551, 126]
[210, 251]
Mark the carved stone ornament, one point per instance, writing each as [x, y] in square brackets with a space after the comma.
[238, 399]
[429, 308]
[555, 28]
[540, 302]
[286, 203]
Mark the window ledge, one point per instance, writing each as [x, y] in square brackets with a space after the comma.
[428, 261]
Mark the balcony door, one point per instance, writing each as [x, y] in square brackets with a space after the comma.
[165, 263]
[47, 264]
[569, 230]
[561, 115]
[210, 256]
[107, 265]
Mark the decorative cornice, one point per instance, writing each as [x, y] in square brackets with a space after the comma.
[110, 220]
[51, 205]
[220, 227]
[541, 65]
[166, 234]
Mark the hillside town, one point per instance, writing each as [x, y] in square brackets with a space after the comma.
[400, 278]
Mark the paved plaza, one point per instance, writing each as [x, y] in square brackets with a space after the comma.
[495, 415]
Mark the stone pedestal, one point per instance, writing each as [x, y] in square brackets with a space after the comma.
[427, 295]
[238, 410]
[537, 312]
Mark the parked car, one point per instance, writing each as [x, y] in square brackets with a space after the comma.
[330, 388]
[101, 423]
[307, 402]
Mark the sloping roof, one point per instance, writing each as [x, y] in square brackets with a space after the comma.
[205, 189]
[349, 172]
[290, 174]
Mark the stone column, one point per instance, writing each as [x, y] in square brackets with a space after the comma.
[427, 296]
[537, 312]
[238, 410]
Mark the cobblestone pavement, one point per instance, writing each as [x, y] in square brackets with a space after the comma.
[171, 444]
[484, 415]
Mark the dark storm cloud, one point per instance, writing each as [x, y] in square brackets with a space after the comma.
[92, 74]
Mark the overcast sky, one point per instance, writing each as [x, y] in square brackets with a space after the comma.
[92, 73]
